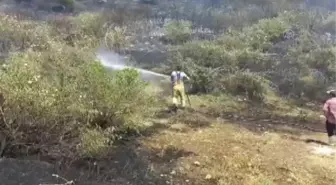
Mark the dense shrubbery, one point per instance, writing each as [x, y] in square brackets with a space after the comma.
[56, 91]
[46, 92]
[60, 101]
[247, 84]
[87, 30]
[302, 67]
[178, 31]
[58, 96]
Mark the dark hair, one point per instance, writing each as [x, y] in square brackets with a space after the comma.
[332, 93]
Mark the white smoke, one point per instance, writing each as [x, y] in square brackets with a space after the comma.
[111, 60]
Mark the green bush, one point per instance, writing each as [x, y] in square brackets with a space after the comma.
[178, 31]
[69, 4]
[94, 143]
[63, 89]
[204, 62]
[253, 60]
[55, 86]
[250, 85]
[90, 24]
[116, 38]
[323, 59]
[208, 54]
[261, 35]
[312, 86]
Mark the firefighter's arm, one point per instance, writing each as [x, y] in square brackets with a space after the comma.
[172, 76]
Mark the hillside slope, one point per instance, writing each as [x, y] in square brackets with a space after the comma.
[259, 71]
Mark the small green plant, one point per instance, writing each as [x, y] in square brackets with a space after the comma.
[265, 181]
[115, 38]
[94, 143]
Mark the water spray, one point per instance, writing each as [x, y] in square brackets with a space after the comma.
[115, 61]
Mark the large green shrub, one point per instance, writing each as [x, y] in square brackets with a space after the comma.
[261, 35]
[61, 90]
[250, 85]
[56, 89]
[178, 31]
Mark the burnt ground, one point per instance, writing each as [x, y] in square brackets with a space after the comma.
[153, 157]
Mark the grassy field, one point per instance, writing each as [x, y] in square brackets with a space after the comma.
[196, 147]
[224, 153]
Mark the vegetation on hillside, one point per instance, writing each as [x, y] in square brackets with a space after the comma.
[60, 101]
[282, 54]
[56, 90]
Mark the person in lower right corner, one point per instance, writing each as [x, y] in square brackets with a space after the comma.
[329, 109]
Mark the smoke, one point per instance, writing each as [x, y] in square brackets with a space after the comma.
[327, 4]
[111, 60]
[115, 61]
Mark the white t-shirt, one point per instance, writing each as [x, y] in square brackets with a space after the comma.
[174, 76]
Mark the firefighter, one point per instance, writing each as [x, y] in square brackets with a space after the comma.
[177, 77]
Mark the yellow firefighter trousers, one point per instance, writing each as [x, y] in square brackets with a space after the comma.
[178, 92]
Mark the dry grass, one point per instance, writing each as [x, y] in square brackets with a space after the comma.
[273, 107]
[229, 154]
[223, 152]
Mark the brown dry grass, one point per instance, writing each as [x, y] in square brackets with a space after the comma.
[234, 155]
[273, 106]
[227, 153]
